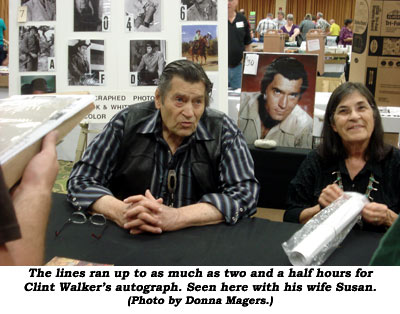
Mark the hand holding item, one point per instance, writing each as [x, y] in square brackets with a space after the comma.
[329, 194]
[378, 214]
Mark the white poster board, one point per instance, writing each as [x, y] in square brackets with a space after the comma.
[111, 78]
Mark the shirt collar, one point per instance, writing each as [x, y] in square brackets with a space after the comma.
[153, 126]
[371, 167]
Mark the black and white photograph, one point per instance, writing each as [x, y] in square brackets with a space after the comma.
[147, 61]
[40, 10]
[85, 62]
[143, 15]
[43, 84]
[36, 47]
[89, 14]
[199, 10]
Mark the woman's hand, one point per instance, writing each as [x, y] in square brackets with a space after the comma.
[331, 193]
[378, 214]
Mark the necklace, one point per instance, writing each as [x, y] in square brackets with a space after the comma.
[369, 189]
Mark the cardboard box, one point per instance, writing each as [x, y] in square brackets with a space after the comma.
[274, 41]
[15, 156]
[315, 43]
[375, 59]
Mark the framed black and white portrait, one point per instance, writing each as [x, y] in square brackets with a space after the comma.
[198, 10]
[147, 61]
[143, 15]
[36, 48]
[86, 62]
[92, 15]
[40, 10]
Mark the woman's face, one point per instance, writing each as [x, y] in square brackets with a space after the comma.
[353, 119]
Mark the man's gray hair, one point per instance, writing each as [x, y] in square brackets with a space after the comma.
[319, 14]
[188, 71]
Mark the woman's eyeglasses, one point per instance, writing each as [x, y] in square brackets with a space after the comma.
[80, 218]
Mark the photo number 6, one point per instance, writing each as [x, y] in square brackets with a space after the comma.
[183, 12]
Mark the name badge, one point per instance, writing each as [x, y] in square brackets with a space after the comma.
[239, 24]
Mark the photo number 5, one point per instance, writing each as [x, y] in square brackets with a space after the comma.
[183, 13]
[106, 23]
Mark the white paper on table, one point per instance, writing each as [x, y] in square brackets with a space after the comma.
[313, 45]
[312, 244]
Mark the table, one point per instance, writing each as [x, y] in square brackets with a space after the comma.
[251, 242]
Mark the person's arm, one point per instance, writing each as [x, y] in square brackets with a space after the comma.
[32, 201]
[302, 191]
[89, 177]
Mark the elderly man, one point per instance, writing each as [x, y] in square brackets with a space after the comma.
[322, 23]
[151, 66]
[265, 25]
[170, 163]
[273, 113]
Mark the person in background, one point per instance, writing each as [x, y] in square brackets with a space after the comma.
[322, 24]
[305, 26]
[335, 29]
[24, 213]
[266, 25]
[346, 33]
[280, 19]
[352, 157]
[239, 40]
[314, 20]
[3, 52]
[291, 29]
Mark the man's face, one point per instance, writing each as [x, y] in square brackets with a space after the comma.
[280, 16]
[182, 107]
[82, 49]
[149, 49]
[232, 4]
[282, 96]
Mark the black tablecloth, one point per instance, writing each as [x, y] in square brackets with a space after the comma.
[274, 168]
[250, 242]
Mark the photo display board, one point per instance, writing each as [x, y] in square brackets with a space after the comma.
[116, 50]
